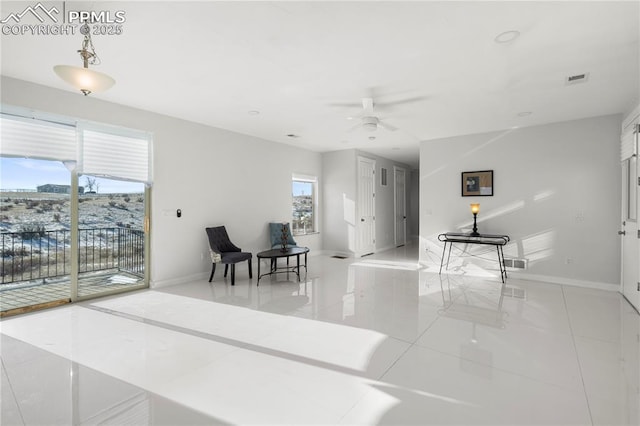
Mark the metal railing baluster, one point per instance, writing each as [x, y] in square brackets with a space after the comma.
[27, 256]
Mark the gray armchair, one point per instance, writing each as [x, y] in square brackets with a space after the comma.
[275, 234]
[224, 251]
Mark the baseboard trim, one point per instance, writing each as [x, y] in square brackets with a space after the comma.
[180, 280]
[565, 281]
[382, 249]
[204, 276]
[434, 265]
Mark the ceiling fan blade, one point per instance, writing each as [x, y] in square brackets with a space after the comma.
[404, 101]
[386, 126]
[345, 104]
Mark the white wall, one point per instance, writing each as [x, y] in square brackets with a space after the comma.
[413, 205]
[214, 176]
[557, 195]
[339, 195]
[340, 189]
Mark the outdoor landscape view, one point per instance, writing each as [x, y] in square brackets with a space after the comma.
[35, 224]
[303, 220]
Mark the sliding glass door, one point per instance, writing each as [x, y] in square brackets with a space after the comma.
[111, 237]
[73, 212]
[35, 223]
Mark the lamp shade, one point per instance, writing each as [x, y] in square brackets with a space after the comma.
[84, 79]
[475, 208]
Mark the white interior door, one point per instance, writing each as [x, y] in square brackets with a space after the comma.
[630, 238]
[366, 224]
[400, 206]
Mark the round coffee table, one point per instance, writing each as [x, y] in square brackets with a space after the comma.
[275, 254]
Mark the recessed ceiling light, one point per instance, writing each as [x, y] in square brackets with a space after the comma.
[253, 112]
[524, 113]
[507, 36]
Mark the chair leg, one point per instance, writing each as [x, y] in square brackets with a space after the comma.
[233, 274]
[213, 269]
[250, 272]
[226, 268]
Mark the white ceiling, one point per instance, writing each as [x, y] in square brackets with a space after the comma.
[305, 66]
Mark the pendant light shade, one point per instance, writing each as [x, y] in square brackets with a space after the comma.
[84, 79]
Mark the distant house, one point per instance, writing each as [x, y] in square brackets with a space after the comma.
[58, 189]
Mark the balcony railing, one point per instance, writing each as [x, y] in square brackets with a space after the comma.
[33, 255]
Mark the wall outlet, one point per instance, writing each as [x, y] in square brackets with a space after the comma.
[568, 261]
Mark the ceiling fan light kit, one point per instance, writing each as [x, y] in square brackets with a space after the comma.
[370, 124]
[82, 78]
[368, 121]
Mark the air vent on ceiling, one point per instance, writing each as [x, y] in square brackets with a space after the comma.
[575, 79]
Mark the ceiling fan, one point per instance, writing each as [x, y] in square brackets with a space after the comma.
[368, 120]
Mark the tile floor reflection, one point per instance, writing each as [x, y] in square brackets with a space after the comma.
[378, 340]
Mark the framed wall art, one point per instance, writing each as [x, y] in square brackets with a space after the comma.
[477, 184]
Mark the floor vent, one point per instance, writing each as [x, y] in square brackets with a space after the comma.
[519, 263]
[516, 263]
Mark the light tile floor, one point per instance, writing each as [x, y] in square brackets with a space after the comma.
[31, 293]
[379, 340]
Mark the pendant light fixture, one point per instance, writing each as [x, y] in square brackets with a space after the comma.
[82, 78]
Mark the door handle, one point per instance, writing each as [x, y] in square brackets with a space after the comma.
[622, 233]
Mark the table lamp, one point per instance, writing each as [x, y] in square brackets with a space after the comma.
[475, 209]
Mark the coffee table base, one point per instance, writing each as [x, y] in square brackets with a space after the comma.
[274, 254]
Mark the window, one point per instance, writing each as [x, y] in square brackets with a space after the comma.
[304, 195]
[79, 212]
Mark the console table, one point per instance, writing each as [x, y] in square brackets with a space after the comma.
[484, 239]
[275, 254]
